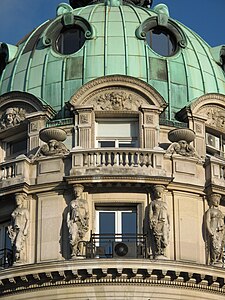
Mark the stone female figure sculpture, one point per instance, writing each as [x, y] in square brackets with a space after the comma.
[159, 222]
[19, 228]
[214, 221]
[77, 221]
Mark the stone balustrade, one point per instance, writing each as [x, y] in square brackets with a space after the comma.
[110, 157]
[16, 171]
[215, 171]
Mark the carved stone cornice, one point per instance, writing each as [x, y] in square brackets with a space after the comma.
[136, 271]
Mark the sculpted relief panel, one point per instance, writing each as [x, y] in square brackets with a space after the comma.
[116, 101]
[215, 116]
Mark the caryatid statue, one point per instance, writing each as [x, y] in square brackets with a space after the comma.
[214, 221]
[159, 222]
[77, 221]
[18, 229]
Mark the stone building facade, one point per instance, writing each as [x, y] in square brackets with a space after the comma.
[112, 170]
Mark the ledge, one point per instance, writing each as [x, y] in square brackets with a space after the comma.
[105, 271]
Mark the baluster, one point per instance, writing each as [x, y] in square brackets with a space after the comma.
[144, 158]
[120, 158]
[132, 160]
[98, 159]
[114, 158]
[85, 159]
[137, 159]
[126, 158]
[2, 173]
[91, 158]
[14, 170]
[9, 171]
[103, 158]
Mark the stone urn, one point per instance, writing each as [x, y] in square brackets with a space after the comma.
[181, 134]
[52, 133]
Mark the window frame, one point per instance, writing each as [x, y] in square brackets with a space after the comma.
[117, 210]
[171, 27]
[133, 141]
[69, 20]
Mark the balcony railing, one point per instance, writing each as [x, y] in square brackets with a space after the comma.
[6, 258]
[17, 168]
[215, 171]
[116, 246]
[134, 157]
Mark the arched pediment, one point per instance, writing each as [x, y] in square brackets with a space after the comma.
[211, 107]
[24, 100]
[117, 93]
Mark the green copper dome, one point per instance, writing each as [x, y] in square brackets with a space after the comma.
[114, 42]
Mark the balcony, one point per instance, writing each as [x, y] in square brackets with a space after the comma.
[15, 172]
[116, 246]
[215, 172]
[107, 163]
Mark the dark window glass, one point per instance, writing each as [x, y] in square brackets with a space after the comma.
[70, 40]
[2, 62]
[161, 41]
[107, 223]
[107, 144]
[17, 147]
[129, 225]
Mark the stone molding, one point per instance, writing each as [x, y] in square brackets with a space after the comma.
[86, 272]
[120, 83]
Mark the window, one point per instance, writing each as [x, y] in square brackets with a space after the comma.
[117, 133]
[17, 147]
[161, 41]
[115, 224]
[5, 246]
[121, 221]
[215, 143]
[70, 40]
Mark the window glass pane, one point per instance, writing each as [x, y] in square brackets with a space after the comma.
[161, 41]
[70, 40]
[16, 147]
[129, 222]
[107, 144]
[117, 129]
[212, 141]
[8, 244]
[107, 226]
[127, 145]
[106, 222]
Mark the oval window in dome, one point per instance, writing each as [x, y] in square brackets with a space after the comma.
[161, 41]
[70, 40]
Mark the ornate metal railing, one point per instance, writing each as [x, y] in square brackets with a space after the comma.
[116, 246]
[6, 258]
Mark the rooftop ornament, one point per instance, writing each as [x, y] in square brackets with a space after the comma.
[181, 139]
[53, 137]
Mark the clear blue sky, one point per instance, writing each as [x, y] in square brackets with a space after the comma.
[206, 17]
